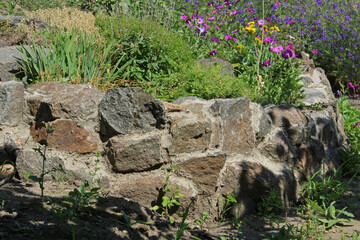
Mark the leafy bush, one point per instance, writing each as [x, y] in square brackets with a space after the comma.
[193, 79]
[74, 58]
[148, 49]
[33, 5]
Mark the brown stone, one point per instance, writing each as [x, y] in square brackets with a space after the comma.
[189, 135]
[203, 171]
[6, 170]
[286, 116]
[171, 107]
[66, 136]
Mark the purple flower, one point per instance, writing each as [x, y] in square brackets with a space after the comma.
[266, 63]
[184, 17]
[261, 22]
[210, 3]
[214, 39]
[352, 86]
[288, 53]
[250, 10]
[227, 36]
[213, 53]
[356, 124]
[211, 18]
[276, 49]
[233, 12]
[315, 51]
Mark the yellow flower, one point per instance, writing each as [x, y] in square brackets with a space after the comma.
[274, 28]
[258, 40]
[248, 29]
[239, 47]
[251, 24]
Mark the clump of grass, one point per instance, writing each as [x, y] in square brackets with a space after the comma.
[66, 19]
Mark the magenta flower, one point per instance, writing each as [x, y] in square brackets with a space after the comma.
[277, 3]
[207, 26]
[276, 49]
[313, 29]
[219, 7]
[270, 40]
[250, 10]
[266, 63]
[352, 86]
[356, 124]
[211, 18]
[233, 31]
[234, 39]
[291, 22]
[214, 11]
[217, 27]
[210, 4]
[233, 12]
[269, 20]
[214, 39]
[261, 22]
[315, 51]
[227, 36]
[288, 53]
[200, 21]
[184, 17]
[195, 16]
[213, 53]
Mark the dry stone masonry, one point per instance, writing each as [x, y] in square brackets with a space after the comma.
[218, 145]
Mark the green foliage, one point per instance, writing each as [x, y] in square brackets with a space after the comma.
[74, 58]
[324, 188]
[193, 79]
[148, 48]
[271, 204]
[351, 117]
[351, 163]
[93, 6]
[127, 222]
[202, 220]
[229, 204]
[183, 225]
[170, 196]
[33, 5]
[328, 215]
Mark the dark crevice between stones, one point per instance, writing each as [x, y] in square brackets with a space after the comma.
[152, 168]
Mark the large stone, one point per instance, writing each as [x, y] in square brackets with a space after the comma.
[236, 121]
[203, 171]
[125, 110]
[11, 103]
[48, 101]
[189, 135]
[66, 136]
[134, 154]
[30, 162]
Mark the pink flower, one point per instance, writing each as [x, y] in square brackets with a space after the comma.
[291, 22]
[261, 22]
[269, 20]
[207, 26]
[315, 51]
[356, 124]
[214, 39]
[352, 86]
[211, 18]
[277, 3]
[219, 7]
[214, 11]
[250, 10]
[276, 49]
[217, 27]
[313, 29]
[270, 40]
[233, 13]
[233, 31]
[234, 39]
[200, 22]
[228, 37]
[266, 63]
[184, 17]
[213, 53]
[290, 46]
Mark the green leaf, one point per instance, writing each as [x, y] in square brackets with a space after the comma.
[332, 211]
[155, 208]
[165, 201]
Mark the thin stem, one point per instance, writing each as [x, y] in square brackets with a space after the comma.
[261, 47]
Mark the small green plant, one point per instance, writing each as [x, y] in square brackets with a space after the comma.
[170, 196]
[201, 221]
[271, 205]
[40, 179]
[183, 225]
[230, 203]
[2, 204]
[286, 232]
[127, 222]
[327, 215]
[10, 7]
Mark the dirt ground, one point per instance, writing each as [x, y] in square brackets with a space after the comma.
[23, 217]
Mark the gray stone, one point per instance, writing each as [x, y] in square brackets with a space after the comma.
[125, 110]
[189, 135]
[236, 117]
[29, 161]
[48, 101]
[11, 102]
[134, 154]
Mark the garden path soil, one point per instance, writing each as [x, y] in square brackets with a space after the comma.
[22, 217]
